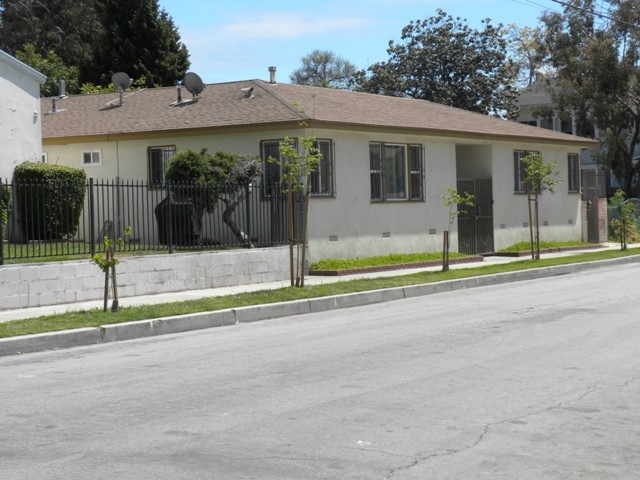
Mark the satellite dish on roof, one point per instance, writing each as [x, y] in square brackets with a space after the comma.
[193, 83]
[121, 81]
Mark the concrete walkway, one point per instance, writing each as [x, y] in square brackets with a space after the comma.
[182, 323]
[19, 314]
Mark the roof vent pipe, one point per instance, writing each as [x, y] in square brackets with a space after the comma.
[179, 90]
[62, 91]
[53, 105]
[272, 75]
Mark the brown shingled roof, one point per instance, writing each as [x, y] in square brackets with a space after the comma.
[225, 105]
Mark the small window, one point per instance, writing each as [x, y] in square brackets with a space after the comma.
[44, 158]
[92, 158]
[158, 159]
[573, 161]
[396, 171]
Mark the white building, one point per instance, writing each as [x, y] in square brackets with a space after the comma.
[20, 115]
[387, 160]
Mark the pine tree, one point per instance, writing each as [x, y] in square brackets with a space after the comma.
[140, 40]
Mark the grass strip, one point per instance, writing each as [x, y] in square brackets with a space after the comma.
[96, 317]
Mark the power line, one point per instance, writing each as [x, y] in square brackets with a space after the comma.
[600, 15]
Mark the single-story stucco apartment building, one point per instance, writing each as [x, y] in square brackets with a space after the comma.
[387, 161]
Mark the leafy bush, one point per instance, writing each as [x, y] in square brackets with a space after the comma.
[49, 199]
[5, 195]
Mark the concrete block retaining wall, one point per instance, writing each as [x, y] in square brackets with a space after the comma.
[39, 284]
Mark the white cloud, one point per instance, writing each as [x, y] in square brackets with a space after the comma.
[286, 26]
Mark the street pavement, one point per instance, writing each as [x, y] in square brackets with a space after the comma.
[529, 380]
[131, 330]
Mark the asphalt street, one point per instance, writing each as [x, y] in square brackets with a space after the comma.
[536, 379]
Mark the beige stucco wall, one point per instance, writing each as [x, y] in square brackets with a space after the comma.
[350, 225]
[20, 117]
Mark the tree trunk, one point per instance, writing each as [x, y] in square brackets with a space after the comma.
[445, 251]
[227, 218]
[531, 226]
[114, 305]
[290, 231]
[537, 228]
[305, 214]
[106, 285]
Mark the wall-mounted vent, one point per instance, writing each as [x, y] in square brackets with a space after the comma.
[386, 234]
[545, 223]
[333, 238]
[571, 221]
[525, 225]
[432, 231]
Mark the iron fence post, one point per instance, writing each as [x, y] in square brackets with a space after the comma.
[169, 232]
[92, 237]
[2, 207]
[248, 210]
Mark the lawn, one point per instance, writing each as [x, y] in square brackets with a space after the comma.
[96, 318]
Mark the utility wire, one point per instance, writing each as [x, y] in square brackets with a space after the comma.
[601, 15]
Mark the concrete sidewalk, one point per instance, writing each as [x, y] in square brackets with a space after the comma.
[19, 314]
[189, 322]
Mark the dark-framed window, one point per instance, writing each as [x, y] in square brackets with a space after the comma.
[322, 179]
[519, 170]
[92, 158]
[158, 159]
[396, 171]
[573, 180]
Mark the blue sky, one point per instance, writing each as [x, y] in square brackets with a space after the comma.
[231, 41]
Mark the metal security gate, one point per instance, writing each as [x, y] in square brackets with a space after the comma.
[593, 189]
[475, 225]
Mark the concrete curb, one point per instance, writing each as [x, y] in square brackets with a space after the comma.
[198, 321]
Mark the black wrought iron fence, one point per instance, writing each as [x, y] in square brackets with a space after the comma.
[166, 218]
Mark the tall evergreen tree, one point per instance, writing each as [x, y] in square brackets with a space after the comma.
[65, 27]
[98, 37]
[141, 40]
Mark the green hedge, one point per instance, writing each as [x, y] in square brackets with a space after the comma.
[49, 199]
[5, 195]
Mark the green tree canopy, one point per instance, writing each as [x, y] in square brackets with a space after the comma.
[98, 38]
[597, 77]
[323, 68]
[140, 39]
[65, 27]
[53, 67]
[443, 60]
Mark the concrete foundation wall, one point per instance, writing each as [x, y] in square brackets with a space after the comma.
[40, 284]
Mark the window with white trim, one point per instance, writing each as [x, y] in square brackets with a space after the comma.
[396, 172]
[158, 159]
[92, 158]
[573, 164]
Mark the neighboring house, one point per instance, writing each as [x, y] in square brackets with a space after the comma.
[20, 115]
[537, 109]
[387, 160]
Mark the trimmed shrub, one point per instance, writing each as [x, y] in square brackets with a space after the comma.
[49, 199]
